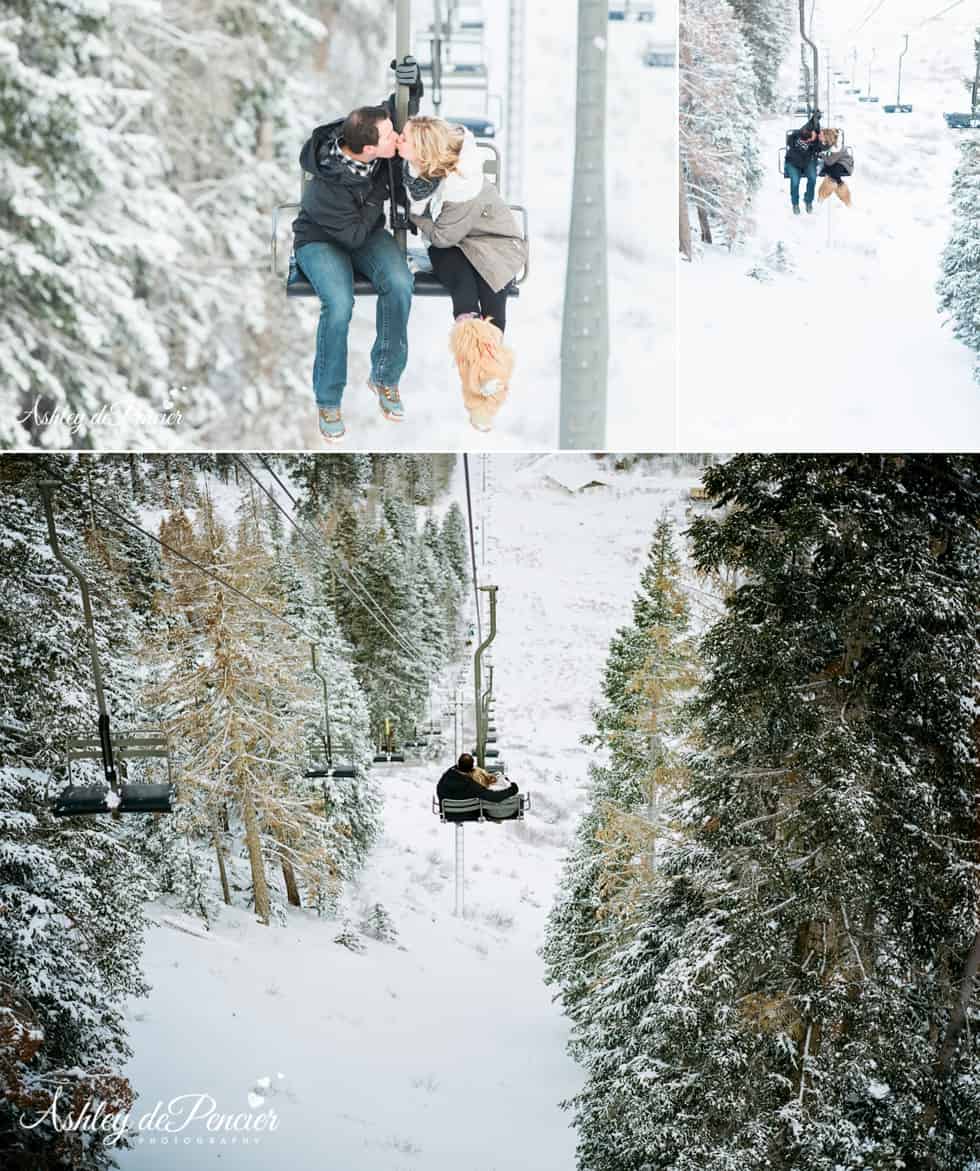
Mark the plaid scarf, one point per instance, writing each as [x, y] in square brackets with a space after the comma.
[355, 166]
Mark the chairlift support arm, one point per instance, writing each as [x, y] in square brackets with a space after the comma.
[481, 720]
[328, 744]
[816, 57]
[898, 99]
[108, 764]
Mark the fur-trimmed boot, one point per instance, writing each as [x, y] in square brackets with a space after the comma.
[484, 364]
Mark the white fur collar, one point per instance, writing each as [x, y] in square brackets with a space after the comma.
[467, 181]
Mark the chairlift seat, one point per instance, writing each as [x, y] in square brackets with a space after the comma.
[491, 753]
[389, 758]
[496, 768]
[893, 109]
[962, 121]
[461, 809]
[83, 800]
[343, 772]
[479, 127]
[491, 739]
[869, 98]
[426, 283]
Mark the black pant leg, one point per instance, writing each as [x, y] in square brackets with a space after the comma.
[493, 305]
[458, 275]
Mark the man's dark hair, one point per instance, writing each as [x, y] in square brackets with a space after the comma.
[465, 763]
[360, 127]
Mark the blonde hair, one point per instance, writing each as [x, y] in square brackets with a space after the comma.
[437, 146]
[831, 137]
[482, 777]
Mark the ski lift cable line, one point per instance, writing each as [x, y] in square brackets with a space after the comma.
[306, 635]
[930, 19]
[370, 605]
[873, 12]
[362, 594]
[469, 514]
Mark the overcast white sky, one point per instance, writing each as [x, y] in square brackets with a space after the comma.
[883, 22]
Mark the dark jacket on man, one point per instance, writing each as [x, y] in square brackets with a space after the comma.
[456, 785]
[798, 151]
[339, 206]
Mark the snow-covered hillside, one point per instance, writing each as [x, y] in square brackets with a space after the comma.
[441, 1049]
[837, 342]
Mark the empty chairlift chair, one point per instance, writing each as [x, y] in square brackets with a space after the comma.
[131, 748]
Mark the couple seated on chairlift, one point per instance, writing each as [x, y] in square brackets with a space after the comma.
[804, 149]
[433, 169]
[466, 779]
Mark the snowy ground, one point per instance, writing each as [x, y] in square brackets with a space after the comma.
[443, 1050]
[845, 350]
[641, 138]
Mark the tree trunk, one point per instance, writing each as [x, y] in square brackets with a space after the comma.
[685, 221]
[292, 890]
[957, 1016]
[259, 887]
[705, 225]
[222, 871]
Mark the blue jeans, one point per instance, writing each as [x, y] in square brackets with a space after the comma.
[794, 174]
[330, 270]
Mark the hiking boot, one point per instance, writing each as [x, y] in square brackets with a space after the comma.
[388, 400]
[331, 424]
[796, 209]
[809, 209]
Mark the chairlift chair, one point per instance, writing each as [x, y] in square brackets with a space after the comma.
[426, 282]
[899, 107]
[117, 794]
[461, 809]
[962, 121]
[79, 800]
[781, 167]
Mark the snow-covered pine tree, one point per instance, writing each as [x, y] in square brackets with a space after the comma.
[455, 543]
[77, 332]
[801, 993]
[959, 289]
[71, 895]
[767, 27]
[648, 664]
[719, 116]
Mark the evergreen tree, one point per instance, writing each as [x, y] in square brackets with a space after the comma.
[71, 895]
[766, 26]
[455, 542]
[800, 992]
[648, 662]
[76, 332]
[719, 116]
[959, 289]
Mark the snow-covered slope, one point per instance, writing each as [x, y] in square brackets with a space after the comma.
[442, 1049]
[845, 349]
